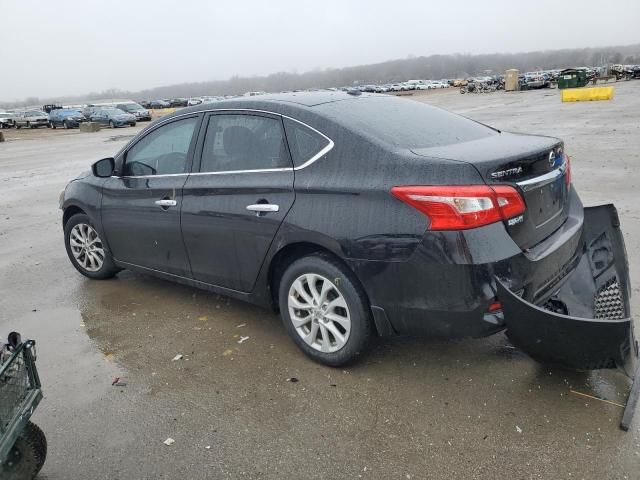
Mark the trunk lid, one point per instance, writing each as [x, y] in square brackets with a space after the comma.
[535, 165]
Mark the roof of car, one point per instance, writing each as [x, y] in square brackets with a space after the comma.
[301, 99]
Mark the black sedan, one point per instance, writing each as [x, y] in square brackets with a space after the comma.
[356, 214]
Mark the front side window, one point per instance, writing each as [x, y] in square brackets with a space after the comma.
[163, 151]
[237, 142]
[304, 142]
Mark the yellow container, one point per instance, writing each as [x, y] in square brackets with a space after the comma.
[586, 94]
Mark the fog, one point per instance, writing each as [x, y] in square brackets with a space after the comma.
[73, 47]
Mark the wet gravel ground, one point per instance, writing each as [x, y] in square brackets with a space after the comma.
[412, 408]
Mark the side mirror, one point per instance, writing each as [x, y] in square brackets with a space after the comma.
[104, 168]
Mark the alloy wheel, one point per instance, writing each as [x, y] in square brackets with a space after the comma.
[86, 247]
[319, 313]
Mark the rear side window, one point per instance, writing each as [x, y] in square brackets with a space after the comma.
[304, 142]
[163, 151]
[236, 142]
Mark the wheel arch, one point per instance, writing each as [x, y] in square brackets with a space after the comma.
[69, 212]
[292, 252]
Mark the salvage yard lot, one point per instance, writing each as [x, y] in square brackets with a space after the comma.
[413, 408]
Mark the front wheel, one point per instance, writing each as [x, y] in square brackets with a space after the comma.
[111, 124]
[52, 125]
[27, 456]
[85, 249]
[325, 310]
[65, 125]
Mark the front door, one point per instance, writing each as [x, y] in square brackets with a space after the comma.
[237, 197]
[141, 207]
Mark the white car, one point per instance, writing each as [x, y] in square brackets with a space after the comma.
[194, 101]
[6, 120]
[425, 86]
[211, 99]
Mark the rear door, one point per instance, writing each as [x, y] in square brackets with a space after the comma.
[141, 207]
[239, 192]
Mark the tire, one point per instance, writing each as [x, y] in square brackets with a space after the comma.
[342, 288]
[65, 125]
[133, 124]
[52, 125]
[29, 125]
[27, 456]
[96, 263]
[111, 124]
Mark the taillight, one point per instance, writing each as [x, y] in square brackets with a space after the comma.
[567, 171]
[464, 206]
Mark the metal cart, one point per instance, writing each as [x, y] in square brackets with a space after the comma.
[23, 446]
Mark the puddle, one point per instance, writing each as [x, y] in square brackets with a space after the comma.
[119, 138]
[72, 369]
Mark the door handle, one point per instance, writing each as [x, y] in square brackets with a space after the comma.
[263, 207]
[165, 202]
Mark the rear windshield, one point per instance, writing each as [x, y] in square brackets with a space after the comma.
[405, 123]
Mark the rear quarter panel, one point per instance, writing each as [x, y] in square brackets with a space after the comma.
[346, 196]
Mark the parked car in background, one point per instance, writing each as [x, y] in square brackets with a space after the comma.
[31, 119]
[6, 119]
[89, 110]
[158, 104]
[66, 118]
[194, 101]
[135, 109]
[52, 106]
[113, 117]
[178, 102]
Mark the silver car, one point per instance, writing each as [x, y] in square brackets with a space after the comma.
[31, 119]
[6, 119]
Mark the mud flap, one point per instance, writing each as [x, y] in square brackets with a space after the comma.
[586, 323]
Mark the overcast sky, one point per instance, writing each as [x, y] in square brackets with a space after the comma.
[72, 47]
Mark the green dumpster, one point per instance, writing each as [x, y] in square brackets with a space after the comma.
[572, 78]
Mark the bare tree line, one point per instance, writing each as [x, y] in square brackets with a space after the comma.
[431, 67]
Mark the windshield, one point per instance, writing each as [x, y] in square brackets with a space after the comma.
[113, 111]
[5, 115]
[68, 112]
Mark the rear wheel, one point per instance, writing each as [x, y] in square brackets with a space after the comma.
[52, 125]
[65, 125]
[324, 309]
[27, 456]
[87, 252]
[111, 124]
[29, 125]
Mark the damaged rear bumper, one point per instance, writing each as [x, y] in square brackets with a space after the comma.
[586, 323]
